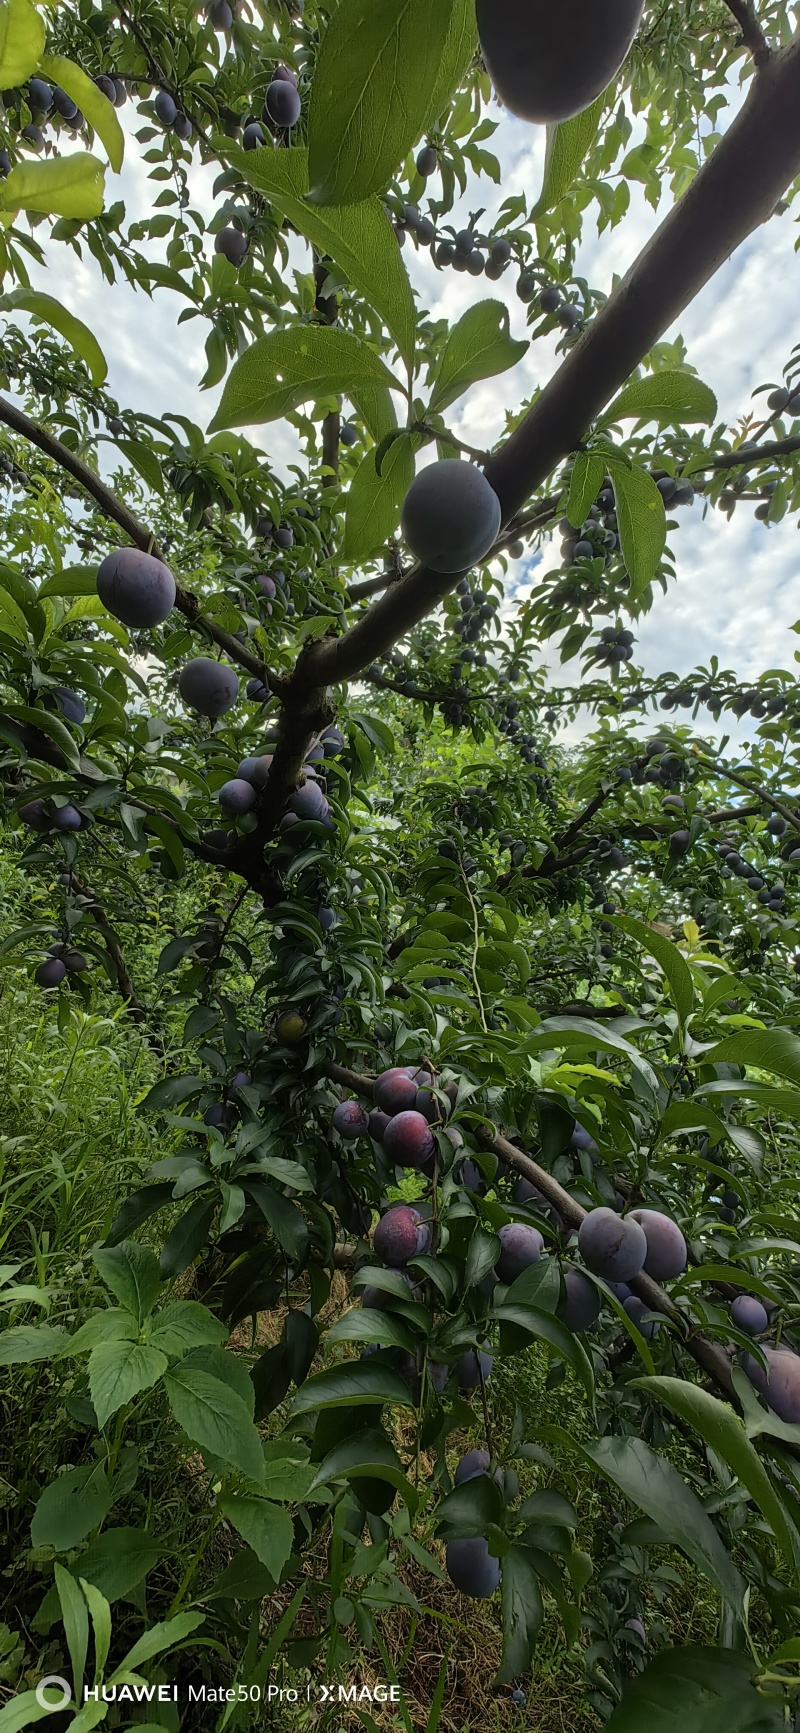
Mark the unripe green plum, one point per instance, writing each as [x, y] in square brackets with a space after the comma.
[136, 588]
[451, 516]
[548, 64]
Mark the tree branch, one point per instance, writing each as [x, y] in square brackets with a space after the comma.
[119, 513]
[753, 37]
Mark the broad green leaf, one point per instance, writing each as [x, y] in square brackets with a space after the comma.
[22, 39]
[131, 1272]
[51, 312]
[374, 501]
[664, 397]
[694, 1690]
[550, 1329]
[566, 148]
[25, 1710]
[587, 479]
[31, 1342]
[186, 1239]
[642, 522]
[12, 620]
[351, 1383]
[668, 957]
[775, 1050]
[375, 405]
[158, 1639]
[49, 725]
[215, 1417]
[70, 1507]
[297, 365]
[376, 75]
[100, 113]
[267, 1528]
[523, 1613]
[460, 48]
[118, 1371]
[185, 1325]
[70, 581]
[285, 1219]
[478, 347]
[63, 186]
[723, 1431]
[358, 238]
[372, 1325]
[76, 1624]
[649, 1481]
[118, 1560]
[559, 1032]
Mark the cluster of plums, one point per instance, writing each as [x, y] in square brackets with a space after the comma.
[61, 961]
[46, 816]
[735, 866]
[240, 794]
[615, 645]
[550, 300]
[48, 104]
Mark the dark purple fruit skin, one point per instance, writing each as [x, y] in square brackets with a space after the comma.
[473, 1369]
[451, 516]
[282, 104]
[232, 244]
[394, 1091]
[207, 686]
[471, 1568]
[397, 1235]
[237, 797]
[612, 1246]
[408, 1139]
[255, 770]
[636, 1309]
[350, 1119]
[580, 1307]
[666, 1246]
[749, 1315]
[308, 801]
[549, 63]
[34, 815]
[520, 1246]
[780, 1387]
[136, 588]
[377, 1124]
[50, 973]
[475, 1462]
[67, 818]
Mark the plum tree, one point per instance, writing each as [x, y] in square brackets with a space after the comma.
[472, 1569]
[400, 1234]
[612, 1246]
[520, 1246]
[748, 1314]
[290, 1028]
[666, 1246]
[136, 588]
[408, 1139]
[350, 1119]
[451, 516]
[547, 66]
[211, 688]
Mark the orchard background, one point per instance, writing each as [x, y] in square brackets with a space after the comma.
[401, 1070]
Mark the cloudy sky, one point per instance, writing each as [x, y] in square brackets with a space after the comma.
[738, 588]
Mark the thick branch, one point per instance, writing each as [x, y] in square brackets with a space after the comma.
[753, 36]
[119, 513]
[735, 190]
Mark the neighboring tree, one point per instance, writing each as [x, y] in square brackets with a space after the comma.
[537, 1012]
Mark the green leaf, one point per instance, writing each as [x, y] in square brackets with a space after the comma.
[668, 957]
[549, 1329]
[372, 1325]
[665, 397]
[51, 312]
[100, 113]
[358, 238]
[63, 186]
[297, 365]
[566, 148]
[118, 1561]
[155, 1641]
[131, 1272]
[12, 620]
[215, 1417]
[484, 1251]
[649, 1481]
[23, 1711]
[172, 1091]
[118, 1371]
[587, 479]
[352, 1383]
[374, 501]
[376, 75]
[285, 1219]
[267, 1528]
[70, 581]
[723, 1431]
[375, 405]
[70, 1507]
[478, 347]
[22, 39]
[694, 1690]
[775, 1050]
[523, 1613]
[642, 522]
[101, 1625]
[184, 1325]
[460, 48]
[187, 1238]
[76, 1625]
[31, 1342]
